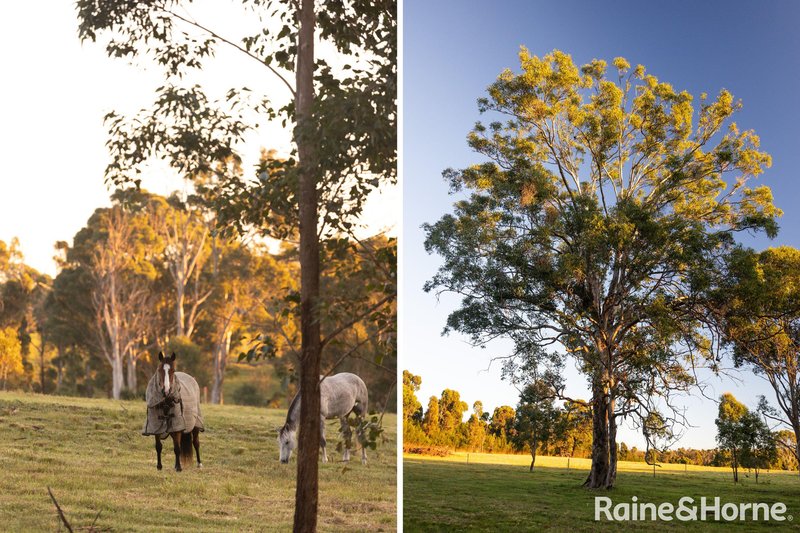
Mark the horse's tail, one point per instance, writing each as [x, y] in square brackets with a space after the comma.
[363, 399]
[186, 449]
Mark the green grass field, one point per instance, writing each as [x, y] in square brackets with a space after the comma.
[91, 454]
[495, 492]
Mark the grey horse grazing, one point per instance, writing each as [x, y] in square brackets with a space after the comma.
[340, 395]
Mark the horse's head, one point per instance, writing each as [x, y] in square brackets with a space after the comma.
[166, 372]
[287, 441]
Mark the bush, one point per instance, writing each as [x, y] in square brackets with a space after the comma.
[248, 394]
[419, 449]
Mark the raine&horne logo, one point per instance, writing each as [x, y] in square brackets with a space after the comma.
[689, 509]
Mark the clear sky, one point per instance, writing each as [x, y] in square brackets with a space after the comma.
[53, 97]
[454, 49]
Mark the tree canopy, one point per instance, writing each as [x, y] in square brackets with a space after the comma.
[605, 203]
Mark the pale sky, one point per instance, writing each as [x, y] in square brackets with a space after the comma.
[54, 95]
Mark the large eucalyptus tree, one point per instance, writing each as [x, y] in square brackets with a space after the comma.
[602, 208]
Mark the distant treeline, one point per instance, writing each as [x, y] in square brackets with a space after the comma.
[564, 431]
[155, 273]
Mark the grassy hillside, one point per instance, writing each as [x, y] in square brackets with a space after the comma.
[497, 493]
[92, 455]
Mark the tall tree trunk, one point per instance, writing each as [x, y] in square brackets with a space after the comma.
[221, 350]
[132, 381]
[599, 472]
[306, 497]
[532, 445]
[797, 450]
[611, 477]
[180, 319]
[117, 375]
[60, 368]
[41, 364]
[216, 384]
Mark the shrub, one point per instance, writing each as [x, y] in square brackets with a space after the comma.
[418, 449]
[248, 394]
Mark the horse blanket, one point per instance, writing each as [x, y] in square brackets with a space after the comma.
[179, 411]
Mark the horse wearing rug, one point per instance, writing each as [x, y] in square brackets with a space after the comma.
[340, 395]
[173, 409]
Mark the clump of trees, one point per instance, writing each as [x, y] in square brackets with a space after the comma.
[154, 273]
[759, 302]
[539, 425]
[535, 425]
[744, 437]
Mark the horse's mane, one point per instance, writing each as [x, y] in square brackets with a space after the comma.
[291, 420]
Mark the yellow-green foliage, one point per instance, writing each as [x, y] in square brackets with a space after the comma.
[10, 354]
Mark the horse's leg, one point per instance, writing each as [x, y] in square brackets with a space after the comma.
[158, 452]
[361, 440]
[322, 441]
[347, 435]
[196, 442]
[176, 445]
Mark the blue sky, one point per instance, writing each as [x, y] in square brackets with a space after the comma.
[454, 49]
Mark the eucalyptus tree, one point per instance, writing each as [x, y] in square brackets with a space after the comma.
[343, 127]
[536, 418]
[10, 355]
[760, 448]
[185, 230]
[759, 302]
[121, 272]
[23, 292]
[601, 210]
[412, 409]
[745, 435]
[246, 277]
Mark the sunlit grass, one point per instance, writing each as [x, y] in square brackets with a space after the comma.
[92, 455]
[495, 492]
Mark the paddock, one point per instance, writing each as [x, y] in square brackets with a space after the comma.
[496, 492]
[92, 455]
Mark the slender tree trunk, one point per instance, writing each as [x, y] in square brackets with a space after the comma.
[60, 368]
[216, 385]
[221, 351]
[735, 466]
[117, 375]
[132, 381]
[41, 364]
[306, 497]
[532, 445]
[180, 319]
